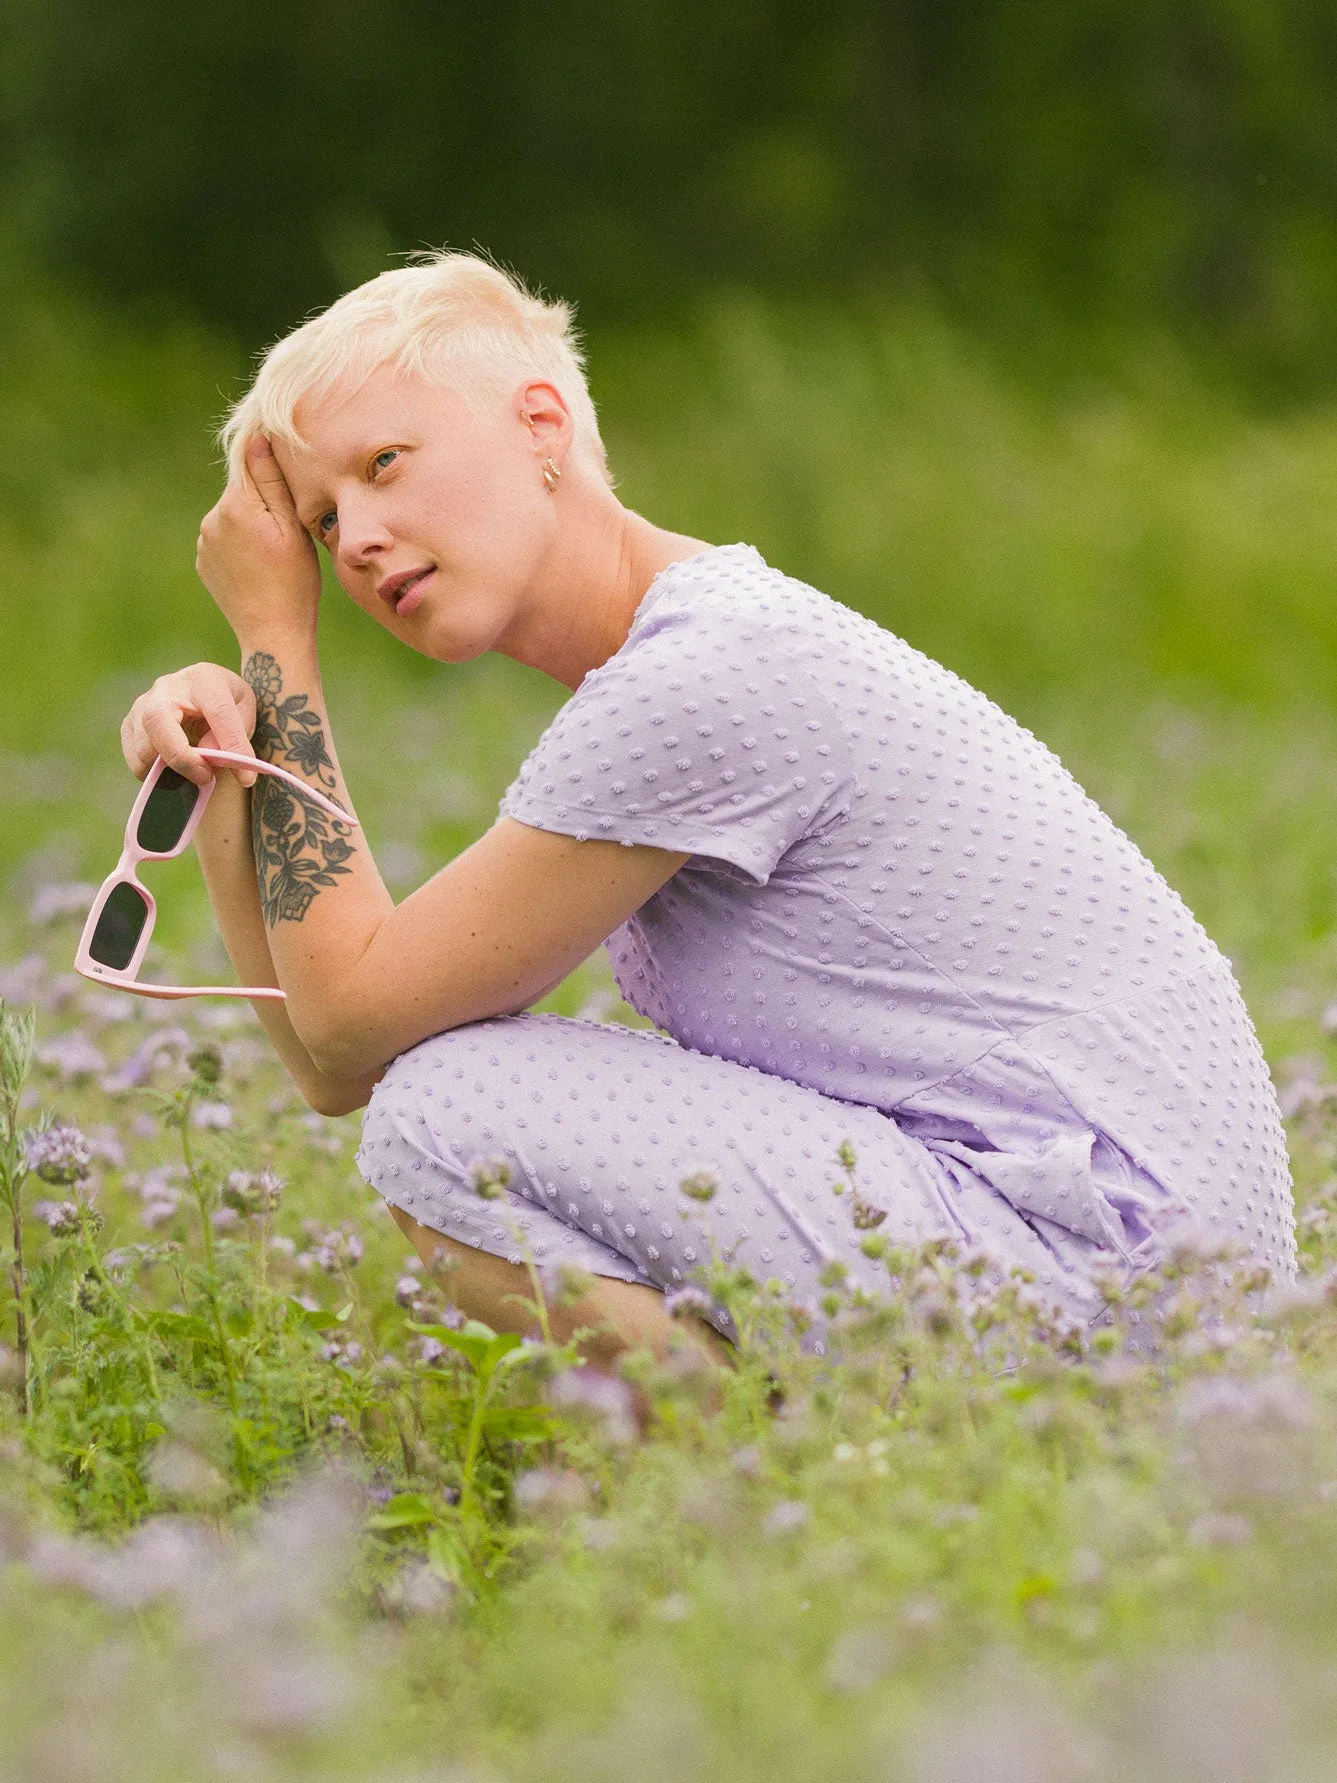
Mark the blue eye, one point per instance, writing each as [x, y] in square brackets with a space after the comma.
[383, 460]
[327, 523]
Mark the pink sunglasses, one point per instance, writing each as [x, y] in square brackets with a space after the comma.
[161, 823]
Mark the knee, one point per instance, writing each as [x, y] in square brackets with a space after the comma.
[453, 1102]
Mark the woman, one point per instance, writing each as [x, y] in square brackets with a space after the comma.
[862, 904]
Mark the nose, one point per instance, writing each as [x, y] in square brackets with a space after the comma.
[363, 536]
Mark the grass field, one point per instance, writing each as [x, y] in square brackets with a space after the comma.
[950, 1549]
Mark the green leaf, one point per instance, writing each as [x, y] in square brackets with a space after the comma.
[18, 1034]
[472, 1342]
[518, 1423]
[501, 1345]
[446, 1556]
[406, 1510]
[314, 1318]
[184, 1327]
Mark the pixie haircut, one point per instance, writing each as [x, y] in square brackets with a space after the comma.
[452, 318]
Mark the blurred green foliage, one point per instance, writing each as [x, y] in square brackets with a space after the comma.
[1106, 160]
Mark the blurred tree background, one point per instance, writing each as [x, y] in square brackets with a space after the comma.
[1113, 162]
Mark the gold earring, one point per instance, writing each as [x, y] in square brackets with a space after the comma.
[551, 475]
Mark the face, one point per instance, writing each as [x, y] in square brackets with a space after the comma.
[432, 509]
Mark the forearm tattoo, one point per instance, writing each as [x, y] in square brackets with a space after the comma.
[298, 849]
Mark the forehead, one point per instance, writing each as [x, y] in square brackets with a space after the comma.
[385, 404]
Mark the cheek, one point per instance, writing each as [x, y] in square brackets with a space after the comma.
[359, 591]
[495, 498]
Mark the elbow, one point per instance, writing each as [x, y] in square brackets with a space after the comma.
[333, 1045]
[344, 1071]
[343, 1061]
[330, 1097]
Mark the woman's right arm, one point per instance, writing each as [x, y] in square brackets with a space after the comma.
[223, 843]
[209, 693]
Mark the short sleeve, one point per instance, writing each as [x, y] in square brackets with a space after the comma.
[704, 734]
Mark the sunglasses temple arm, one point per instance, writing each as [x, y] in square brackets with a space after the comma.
[234, 759]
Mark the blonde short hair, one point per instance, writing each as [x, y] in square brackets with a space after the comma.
[454, 318]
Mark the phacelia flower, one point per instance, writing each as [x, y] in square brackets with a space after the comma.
[61, 1155]
[252, 1194]
[699, 1187]
[490, 1178]
[688, 1303]
[336, 1249]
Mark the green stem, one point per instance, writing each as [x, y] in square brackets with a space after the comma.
[20, 1283]
[122, 1306]
[224, 1348]
[531, 1268]
[206, 1232]
[13, 1173]
[473, 1442]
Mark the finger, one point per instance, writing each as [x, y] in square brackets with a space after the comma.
[222, 707]
[270, 483]
[166, 736]
[139, 753]
[129, 743]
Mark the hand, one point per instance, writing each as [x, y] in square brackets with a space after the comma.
[254, 555]
[206, 702]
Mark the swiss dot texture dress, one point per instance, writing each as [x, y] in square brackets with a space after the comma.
[903, 925]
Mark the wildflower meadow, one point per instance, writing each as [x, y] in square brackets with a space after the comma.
[271, 1508]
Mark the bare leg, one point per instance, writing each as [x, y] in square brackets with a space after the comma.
[623, 1315]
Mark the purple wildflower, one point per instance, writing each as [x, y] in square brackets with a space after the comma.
[490, 1178]
[601, 1395]
[19, 983]
[211, 1115]
[550, 1489]
[565, 1284]
[52, 903]
[106, 1144]
[252, 1194]
[344, 1352]
[336, 1248]
[154, 1054]
[67, 1219]
[786, 1517]
[71, 1056]
[1219, 1529]
[60, 1155]
[686, 1303]
[107, 1009]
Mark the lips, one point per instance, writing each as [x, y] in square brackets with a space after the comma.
[404, 591]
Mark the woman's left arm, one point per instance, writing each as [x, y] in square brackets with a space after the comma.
[366, 979]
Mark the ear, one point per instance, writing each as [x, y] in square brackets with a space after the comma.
[541, 408]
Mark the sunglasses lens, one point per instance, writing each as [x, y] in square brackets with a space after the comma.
[119, 928]
[162, 822]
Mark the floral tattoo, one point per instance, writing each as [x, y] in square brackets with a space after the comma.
[298, 849]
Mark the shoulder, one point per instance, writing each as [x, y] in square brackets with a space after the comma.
[711, 730]
[726, 609]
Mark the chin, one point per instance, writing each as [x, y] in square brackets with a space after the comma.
[446, 642]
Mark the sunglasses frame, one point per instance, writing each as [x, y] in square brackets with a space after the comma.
[133, 855]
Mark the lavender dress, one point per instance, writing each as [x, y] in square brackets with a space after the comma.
[903, 925]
